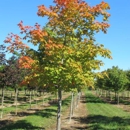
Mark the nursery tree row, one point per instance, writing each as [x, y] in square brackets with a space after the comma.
[116, 80]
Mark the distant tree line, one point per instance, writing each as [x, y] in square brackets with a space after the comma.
[116, 80]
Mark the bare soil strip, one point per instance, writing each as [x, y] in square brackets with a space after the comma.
[78, 121]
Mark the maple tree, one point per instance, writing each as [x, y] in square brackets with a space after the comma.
[67, 53]
[16, 75]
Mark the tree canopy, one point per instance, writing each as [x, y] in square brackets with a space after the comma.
[67, 51]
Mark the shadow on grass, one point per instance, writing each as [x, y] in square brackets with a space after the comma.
[66, 102]
[125, 101]
[9, 99]
[5, 122]
[22, 124]
[99, 122]
[20, 114]
[47, 113]
[92, 99]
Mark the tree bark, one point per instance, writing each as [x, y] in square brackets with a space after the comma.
[36, 101]
[43, 100]
[16, 100]
[123, 95]
[78, 99]
[109, 95]
[75, 100]
[128, 94]
[106, 93]
[2, 102]
[115, 95]
[71, 107]
[117, 98]
[30, 99]
[58, 127]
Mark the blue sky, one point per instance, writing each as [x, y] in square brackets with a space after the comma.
[117, 38]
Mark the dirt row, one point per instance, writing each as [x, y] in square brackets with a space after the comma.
[78, 121]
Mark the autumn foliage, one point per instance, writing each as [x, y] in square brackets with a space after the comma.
[67, 53]
[25, 62]
[66, 48]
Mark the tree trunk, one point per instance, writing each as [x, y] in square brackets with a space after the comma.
[106, 93]
[2, 102]
[14, 95]
[25, 92]
[58, 127]
[128, 94]
[33, 95]
[40, 93]
[109, 93]
[101, 92]
[71, 107]
[36, 100]
[30, 99]
[123, 95]
[75, 101]
[16, 100]
[57, 96]
[7, 92]
[11, 95]
[117, 98]
[96, 92]
[43, 100]
[78, 97]
[111, 96]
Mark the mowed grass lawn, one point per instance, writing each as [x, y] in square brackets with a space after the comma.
[104, 116]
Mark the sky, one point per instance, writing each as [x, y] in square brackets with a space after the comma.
[116, 40]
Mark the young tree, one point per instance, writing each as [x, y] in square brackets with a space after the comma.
[67, 51]
[16, 76]
[117, 80]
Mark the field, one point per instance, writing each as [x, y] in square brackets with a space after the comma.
[104, 116]
[92, 113]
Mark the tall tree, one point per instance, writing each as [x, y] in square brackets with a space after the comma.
[67, 51]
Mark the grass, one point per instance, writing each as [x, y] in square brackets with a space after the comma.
[104, 116]
[24, 106]
[42, 119]
[101, 116]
